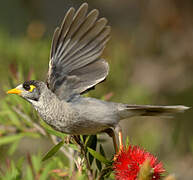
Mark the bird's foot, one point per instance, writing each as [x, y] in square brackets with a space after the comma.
[118, 153]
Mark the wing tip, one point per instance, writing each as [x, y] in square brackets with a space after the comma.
[70, 11]
[103, 20]
[83, 7]
[94, 12]
[85, 4]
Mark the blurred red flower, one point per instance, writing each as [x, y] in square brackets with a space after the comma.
[128, 162]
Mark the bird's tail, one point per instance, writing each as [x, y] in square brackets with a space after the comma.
[150, 110]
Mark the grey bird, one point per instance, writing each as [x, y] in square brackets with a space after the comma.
[75, 67]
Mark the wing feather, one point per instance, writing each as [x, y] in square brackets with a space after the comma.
[54, 42]
[102, 38]
[83, 29]
[75, 64]
[88, 55]
[77, 20]
[62, 31]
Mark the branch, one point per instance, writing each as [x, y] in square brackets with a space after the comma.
[67, 154]
[83, 150]
[27, 118]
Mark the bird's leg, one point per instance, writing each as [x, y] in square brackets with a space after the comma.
[120, 135]
[111, 133]
[118, 130]
[76, 139]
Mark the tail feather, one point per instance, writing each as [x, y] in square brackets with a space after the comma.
[151, 110]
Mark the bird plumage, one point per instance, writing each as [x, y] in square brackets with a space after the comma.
[76, 66]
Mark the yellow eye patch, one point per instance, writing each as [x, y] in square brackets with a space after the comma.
[32, 87]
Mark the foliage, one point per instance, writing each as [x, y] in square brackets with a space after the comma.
[80, 156]
[22, 121]
[25, 57]
[80, 153]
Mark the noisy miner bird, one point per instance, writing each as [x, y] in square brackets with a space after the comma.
[75, 67]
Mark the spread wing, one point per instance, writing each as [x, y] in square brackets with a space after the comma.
[75, 64]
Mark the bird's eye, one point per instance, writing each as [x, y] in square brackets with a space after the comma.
[28, 87]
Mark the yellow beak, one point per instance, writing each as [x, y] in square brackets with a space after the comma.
[14, 91]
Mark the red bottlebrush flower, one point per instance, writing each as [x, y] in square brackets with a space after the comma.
[129, 160]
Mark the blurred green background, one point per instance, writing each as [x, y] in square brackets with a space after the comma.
[151, 62]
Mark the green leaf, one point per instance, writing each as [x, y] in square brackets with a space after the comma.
[92, 144]
[29, 174]
[10, 139]
[87, 140]
[12, 173]
[98, 164]
[56, 133]
[91, 141]
[31, 134]
[82, 138]
[81, 176]
[127, 141]
[14, 119]
[52, 131]
[36, 163]
[106, 172]
[15, 139]
[45, 173]
[20, 162]
[98, 156]
[96, 173]
[13, 147]
[53, 150]
[102, 150]
[73, 146]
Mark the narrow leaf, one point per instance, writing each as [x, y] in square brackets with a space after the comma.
[73, 146]
[45, 173]
[87, 140]
[56, 133]
[98, 156]
[82, 138]
[53, 150]
[102, 150]
[92, 144]
[105, 173]
[127, 141]
[29, 174]
[91, 141]
[9, 139]
[98, 164]
[52, 131]
[36, 163]
[13, 147]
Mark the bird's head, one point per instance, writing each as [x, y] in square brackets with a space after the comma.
[29, 90]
